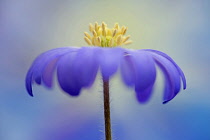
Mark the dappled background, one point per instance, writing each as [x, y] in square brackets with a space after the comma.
[30, 27]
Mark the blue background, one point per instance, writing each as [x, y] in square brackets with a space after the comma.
[179, 28]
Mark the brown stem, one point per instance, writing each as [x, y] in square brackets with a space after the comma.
[108, 132]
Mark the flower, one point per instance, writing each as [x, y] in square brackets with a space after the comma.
[77, 67]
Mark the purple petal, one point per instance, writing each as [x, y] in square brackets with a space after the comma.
[46, 58]
[109, 59]
[66, 74]
[168, 90]
[145, 73]
[37, 68]
[144, 70]
[127, 70]
[172, 61]
[86, 66]
[28, 82]
[34, 69]
[172, 78]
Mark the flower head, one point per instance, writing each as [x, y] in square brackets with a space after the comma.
[77, 67]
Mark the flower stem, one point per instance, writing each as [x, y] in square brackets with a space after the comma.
[107, 119]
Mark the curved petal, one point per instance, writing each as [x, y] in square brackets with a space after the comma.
[46, 58]
[86, 66]
[47, 69]
[36, 69]
[145, 70]
[38, 64]
[28, 82]
[172, 61]
[168, 90]
[66, 74]
[172, 78]
[109, 59]
[145, 74]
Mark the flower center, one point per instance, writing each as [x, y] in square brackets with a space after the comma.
[107, 37]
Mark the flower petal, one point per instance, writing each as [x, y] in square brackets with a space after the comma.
[42, 60]
[28, 82]
[47, 70]
[168, 90]
[145, 73]
[109, 59]
[37, 68]
[144, 70]
[86, 66]
[33, 69]
[47, 58]
[172, 78]
[172, 61]
[66, 74]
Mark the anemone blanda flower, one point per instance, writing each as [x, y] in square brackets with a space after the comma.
[77, 67]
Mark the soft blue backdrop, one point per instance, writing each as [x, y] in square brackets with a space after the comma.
[179, 28]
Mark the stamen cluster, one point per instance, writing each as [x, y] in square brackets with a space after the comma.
[106, 37]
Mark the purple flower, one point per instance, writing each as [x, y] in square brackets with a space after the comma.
[77, 68]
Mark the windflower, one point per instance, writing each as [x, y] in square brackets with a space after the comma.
[77, 67]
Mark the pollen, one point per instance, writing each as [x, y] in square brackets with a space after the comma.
[103, 36]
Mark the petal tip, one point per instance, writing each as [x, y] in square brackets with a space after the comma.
[73, 93]
[165, 102]
[30, 93]
[143, 101]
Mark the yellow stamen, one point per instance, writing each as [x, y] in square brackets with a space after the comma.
[96, 26]
[114, 33]
[94, 33]
[99, 32]
[116, 26]
[126, 38]
[88, 41]
[119, 39]
[107, 37]
[128, 42]
[109, 32]
[122, 29]
[99, 39]
[103, 29]
[125, 31]
[87, 35]
[93, 41]
[91, 27]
